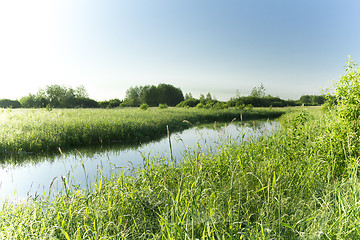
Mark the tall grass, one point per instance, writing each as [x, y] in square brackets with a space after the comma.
[300, 183]
[40, 130]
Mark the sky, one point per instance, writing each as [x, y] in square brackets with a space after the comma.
[223, 47]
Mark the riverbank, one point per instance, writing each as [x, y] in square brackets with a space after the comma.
[300, 183]
[24, 131]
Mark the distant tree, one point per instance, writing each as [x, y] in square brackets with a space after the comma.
[85, 103]
[60, 97]
[80, 92]
[153, 96]
[202, 99]
[113, 103]
[56, 95]
[188, 96]
[132, 97]
[313, 100]
[258, 91]
[150, 95]
[103, 104]
[317, 100]
[34, 101]
[7, 103]
[29, 101]
[305, 99]
[170, 95]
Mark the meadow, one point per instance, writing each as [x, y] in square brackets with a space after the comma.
[299, 183]
[24, 131]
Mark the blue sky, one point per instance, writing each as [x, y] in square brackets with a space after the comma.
[291, 47]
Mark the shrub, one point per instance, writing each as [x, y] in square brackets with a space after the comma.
[200, 105]
[347, 93]
[144, 106]
[249, 107]
[163, 106]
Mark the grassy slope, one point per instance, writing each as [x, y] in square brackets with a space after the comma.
[300, 183]
[36, 130]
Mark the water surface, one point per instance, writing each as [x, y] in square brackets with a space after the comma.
[34, 176]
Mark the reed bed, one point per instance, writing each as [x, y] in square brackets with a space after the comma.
[24, 131]
[299, 183]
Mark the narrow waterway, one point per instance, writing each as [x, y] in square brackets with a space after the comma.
[34, 176]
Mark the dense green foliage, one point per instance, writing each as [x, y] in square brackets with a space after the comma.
[59, 97]
[37, 130]
[348, 96]
[153, 96]
[56, 96]
[312, 100]
[257, 98]
[266, 101]
[112, 103]
[258, 92]
[7, 103]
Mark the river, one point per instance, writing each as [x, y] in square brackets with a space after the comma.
[34, 176]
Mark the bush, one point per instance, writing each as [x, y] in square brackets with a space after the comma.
[219, 105]
[200, 105]
[249, 107]
[7, 103]
[348, 95]
[191, 102]
[163, 106]
[144, 106]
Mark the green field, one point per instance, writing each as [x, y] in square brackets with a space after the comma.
[300, 183]
[25, 131]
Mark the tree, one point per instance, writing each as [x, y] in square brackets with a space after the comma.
[202, 99]
[170, 95]
[258, 92]
[60, 97]
[56, 95]
[149, 95]
[80, 92]
[153, 96]
[188, 96]
[132, 97]
[305, 99]
[7, 103]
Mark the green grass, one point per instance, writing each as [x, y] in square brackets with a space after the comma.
[300, 183]
[40, 130]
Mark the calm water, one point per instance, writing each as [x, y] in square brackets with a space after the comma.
[32, 177]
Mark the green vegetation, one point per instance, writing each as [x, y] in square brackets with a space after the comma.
[257, 98]
[7, 103]
[312, 100]
[44, 130]
[153, 96]
[112, 103]
[56, 96]
[299, 183]
[59, 97]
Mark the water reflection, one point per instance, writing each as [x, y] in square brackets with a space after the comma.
[20, 179]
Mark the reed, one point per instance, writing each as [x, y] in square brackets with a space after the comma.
[25, 131]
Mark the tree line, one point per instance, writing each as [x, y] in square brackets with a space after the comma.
[163, 95]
